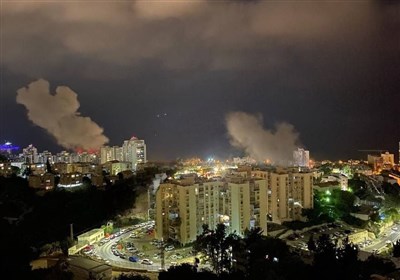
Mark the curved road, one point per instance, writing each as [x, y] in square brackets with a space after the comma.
[105, 253]
[380, 244]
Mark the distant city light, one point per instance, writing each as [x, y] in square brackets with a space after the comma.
[8, 146]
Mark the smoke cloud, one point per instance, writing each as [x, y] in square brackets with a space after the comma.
[246, 131]
[58, 115]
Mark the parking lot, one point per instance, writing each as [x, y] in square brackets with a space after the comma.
[338, 231]
[135, 247]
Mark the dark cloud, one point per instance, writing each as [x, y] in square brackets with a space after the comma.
[329, 68]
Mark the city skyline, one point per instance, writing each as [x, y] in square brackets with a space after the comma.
[177, 75]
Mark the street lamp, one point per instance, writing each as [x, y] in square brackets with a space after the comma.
[162, 254]
[148, 204]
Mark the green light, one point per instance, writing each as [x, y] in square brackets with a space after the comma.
[327, 199]
[328, 192]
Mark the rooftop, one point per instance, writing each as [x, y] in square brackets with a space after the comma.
[88, 264]
[91, 232]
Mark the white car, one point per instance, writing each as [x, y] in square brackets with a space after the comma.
[147, 262]
[170, 248]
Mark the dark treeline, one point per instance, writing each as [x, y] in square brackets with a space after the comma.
[30, 220]
[259, 257]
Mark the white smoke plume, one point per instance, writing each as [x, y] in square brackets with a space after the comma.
[58, 115]
[276, 146]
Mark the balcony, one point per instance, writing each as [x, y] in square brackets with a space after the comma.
[176, 222]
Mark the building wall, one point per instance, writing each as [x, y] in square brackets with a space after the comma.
[263, 202]
[134, 151]
[301, 158]
[45, 181]
[84, 269]
[287, 194]
[5, 169]
[92, 236]
[245, 203]
[71, 179]
[181, 210]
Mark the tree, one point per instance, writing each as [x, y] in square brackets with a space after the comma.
[311, 244]
[48, 167]
[216, 246]
[270, 258]
[131, 276]
[183, 271]
[186, 271]
[376, 265]
[347, 256]
[325, 262]
[396, 249]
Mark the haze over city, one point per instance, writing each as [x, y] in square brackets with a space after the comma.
[199, 139]
[203, 78]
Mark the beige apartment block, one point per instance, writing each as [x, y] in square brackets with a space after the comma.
[288, 193]
[182, 209]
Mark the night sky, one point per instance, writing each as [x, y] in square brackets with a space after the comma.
[170, 72]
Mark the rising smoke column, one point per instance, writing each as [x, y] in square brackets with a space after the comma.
[58, 115]
[246, 131]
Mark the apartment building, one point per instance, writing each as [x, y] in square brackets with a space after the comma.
[288, 193]
[239, 201]
[247, 204]
[132, 150]
[182, 209]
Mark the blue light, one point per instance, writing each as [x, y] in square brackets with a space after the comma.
[8, 147]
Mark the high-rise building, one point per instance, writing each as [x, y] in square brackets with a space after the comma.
[388, 159]
[30, 154]
[239, 202]
[108, 153]
[181, 210]
[44, 156]
[381, 162]
[134, 151]
[288, 193]
[301, 158]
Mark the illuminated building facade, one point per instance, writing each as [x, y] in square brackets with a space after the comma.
[388, 160]
[30, 154]
[45, 181]
[181, 210]
[110, 153]
[5, 169]
[132, 151]
[301, 158]
[114, 167]
[381, 162]
[288, 192]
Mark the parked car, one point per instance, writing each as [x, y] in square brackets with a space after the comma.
[147, 262]
[133, 259]
[169, 248]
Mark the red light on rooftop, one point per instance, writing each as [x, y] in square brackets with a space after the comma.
[89, 151]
